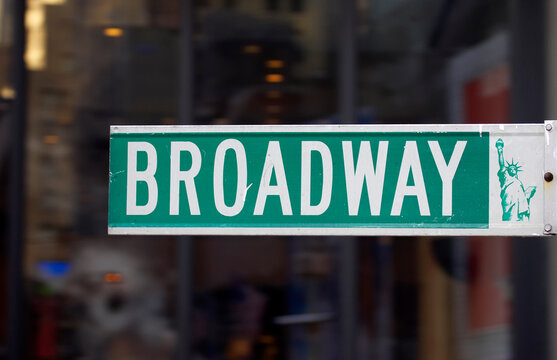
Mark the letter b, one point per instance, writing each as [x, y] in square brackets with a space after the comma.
[147, 176]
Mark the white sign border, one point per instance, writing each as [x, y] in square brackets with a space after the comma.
[321, 231]
[342, 128]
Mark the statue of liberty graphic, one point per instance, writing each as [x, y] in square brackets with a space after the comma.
[515, 199]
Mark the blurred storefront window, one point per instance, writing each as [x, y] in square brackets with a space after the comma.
[435, 62]
[93, 64]
[266, 62]
[96, 63]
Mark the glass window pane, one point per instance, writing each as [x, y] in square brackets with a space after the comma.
[93, 64]
[410, 51]
[435, 62]
[266, 62]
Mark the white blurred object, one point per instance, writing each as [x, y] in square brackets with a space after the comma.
[122, 303]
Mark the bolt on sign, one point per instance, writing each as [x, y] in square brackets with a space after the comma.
[333, 180]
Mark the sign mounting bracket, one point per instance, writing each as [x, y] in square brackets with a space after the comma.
[550, 180]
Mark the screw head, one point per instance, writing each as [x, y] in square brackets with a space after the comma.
[548, 176]
[548, 127]
[547, 228]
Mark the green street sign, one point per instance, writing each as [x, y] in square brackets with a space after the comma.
[326, 180]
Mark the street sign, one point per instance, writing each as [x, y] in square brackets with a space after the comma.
[332, 180]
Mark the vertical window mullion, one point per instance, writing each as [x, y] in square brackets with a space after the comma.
[347, 94]
[347, 62]
[16, 310]
[531, 307]
[185, 243]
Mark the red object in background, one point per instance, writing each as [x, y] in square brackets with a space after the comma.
[47, 335]
[486, 97]
[489, 283]
[486, 100]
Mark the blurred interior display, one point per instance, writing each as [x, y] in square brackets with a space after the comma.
[96, 63]
[119, 300]
[266, 62]
[479, 88]
[406, 49]
[479, 83]
[436, 62]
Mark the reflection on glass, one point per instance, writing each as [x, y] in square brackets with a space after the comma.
[98, 63]
[266, 62]
[434, 62]
[262, 62]
[405, 51]
[93, 64]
